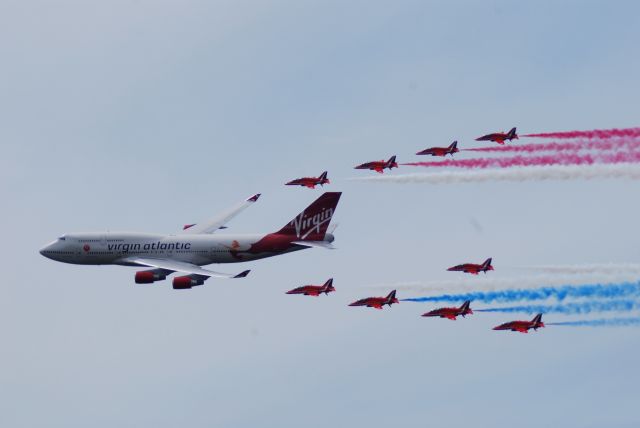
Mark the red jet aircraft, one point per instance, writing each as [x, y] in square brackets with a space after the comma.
[441, 151]
[522, 326]
[451, 313]
[314, 290]
[473, 268]
[379, 166]
[310, 182]
[377, 302]
[499, 137]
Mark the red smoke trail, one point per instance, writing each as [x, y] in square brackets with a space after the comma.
[596, 133]
[552, 159]
[610, 144]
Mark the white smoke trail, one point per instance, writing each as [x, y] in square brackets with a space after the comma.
[487, 283]
[597, 268]
[551, 172]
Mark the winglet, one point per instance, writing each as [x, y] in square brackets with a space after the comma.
[243, 274]
[254, 198]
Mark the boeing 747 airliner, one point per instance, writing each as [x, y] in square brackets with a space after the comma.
[197, 245]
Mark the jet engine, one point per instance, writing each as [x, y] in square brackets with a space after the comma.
[149, 277]
[185, 282]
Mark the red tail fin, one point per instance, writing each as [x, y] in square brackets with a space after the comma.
[311, 224]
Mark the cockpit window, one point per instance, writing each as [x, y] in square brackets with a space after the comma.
[62, 238]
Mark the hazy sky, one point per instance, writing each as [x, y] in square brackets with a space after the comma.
[146, 115]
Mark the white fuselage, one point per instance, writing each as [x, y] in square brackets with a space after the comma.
[201, 249]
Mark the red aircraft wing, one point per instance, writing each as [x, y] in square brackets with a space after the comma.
[522, 326]
[377, 302]
[433, 151]
[311, 290]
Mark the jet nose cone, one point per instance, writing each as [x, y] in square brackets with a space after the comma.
[46, 250]
[43, 251]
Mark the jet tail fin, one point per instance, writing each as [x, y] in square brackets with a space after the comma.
[487, 263]
[453, 145]
[537, 319]
[512, 133]
[328, 285]
[391, 296]
[392, 162]
[465, 306]
[312, 223]
[323, 176]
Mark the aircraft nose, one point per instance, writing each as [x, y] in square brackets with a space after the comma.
[45, 250]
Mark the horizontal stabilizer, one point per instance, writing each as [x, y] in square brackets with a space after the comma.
[319, 244]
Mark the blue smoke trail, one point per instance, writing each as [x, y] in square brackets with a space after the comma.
[571, 308]
[602, 291]
[610, 322]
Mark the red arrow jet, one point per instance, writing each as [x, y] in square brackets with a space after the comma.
[314, 290]
[379, 166]
[310, 182]
[522, 326]
[499, 137]
[441, 151]
[451, 313]
[377, 302]
[473, 268]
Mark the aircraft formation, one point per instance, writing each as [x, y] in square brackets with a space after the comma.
[197, 245]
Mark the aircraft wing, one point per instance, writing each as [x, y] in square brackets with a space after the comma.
[177, 266]
[213, 224]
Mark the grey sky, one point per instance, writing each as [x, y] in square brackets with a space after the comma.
[141, 115]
